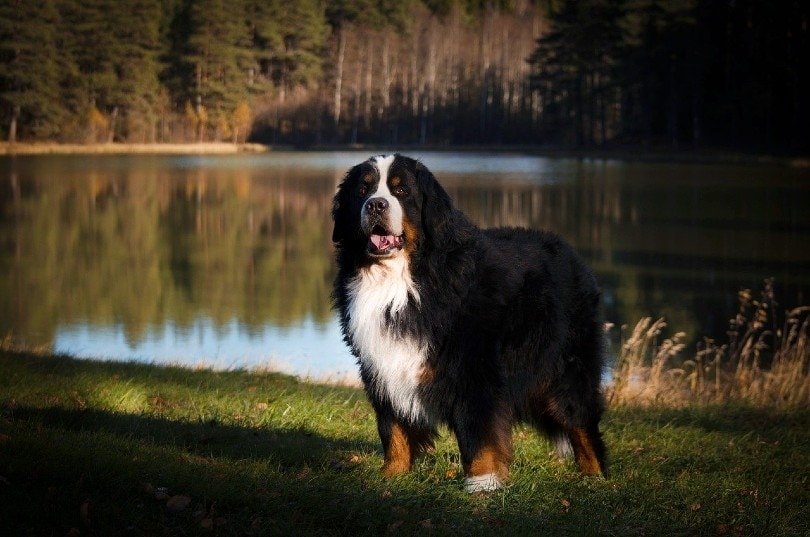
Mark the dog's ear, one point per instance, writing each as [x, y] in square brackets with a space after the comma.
[341, 202]
[437, 209]
[436, 203]
[337, 231]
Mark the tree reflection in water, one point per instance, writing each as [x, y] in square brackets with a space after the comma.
[228, 260]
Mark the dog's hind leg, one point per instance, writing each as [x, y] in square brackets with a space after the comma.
[564, 428]
[589, 450]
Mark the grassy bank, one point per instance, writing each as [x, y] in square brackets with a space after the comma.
[92, 448]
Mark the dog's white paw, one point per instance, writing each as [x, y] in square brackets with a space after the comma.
[482, 483]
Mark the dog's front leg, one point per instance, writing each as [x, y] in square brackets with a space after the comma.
[485, 443]
[402, 443]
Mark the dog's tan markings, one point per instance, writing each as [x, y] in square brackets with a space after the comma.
[584, 453]
[405, 445]
[553, 408]
[368, 178]
[395, 181]
[495, 454]
[411, 238]
[427, 375]
[490, 459]
[398, 455]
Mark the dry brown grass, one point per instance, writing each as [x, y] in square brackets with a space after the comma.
[761, 363]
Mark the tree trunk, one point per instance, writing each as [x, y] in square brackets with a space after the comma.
[579, 119]
[367, 89]
[111, 131]
[200, 123]
[12, 127]
[339, 74]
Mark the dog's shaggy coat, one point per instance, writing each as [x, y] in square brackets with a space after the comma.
[475, 329]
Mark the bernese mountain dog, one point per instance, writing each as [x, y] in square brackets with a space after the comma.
[458, 326]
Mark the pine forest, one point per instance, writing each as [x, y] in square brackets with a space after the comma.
[302, 73]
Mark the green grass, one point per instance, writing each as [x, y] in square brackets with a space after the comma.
[90, 448]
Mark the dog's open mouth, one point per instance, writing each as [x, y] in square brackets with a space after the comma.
[381, 242]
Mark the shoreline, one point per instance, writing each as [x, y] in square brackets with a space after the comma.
[622, 153]
[202, 148]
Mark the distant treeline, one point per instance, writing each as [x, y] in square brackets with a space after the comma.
[554, 72]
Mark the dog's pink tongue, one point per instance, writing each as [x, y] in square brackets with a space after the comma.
[382, 242]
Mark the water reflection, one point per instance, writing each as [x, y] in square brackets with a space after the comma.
[226, 260]
[307, 349]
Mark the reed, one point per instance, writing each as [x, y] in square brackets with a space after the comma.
[762, 362]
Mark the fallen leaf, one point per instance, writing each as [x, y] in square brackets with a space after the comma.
[695, 506]
[178, 502]
[566, 504]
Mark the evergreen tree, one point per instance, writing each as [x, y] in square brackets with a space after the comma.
[264, 26]
[91, 41]
[303, 44]
[218, 52]
[32, 104]
[137, 86]
[574, 68]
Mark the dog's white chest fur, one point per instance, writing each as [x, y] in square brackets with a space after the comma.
[376, 296]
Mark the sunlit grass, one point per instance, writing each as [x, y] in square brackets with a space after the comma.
[109, 448]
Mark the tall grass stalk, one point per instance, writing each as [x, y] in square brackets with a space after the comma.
[761, 363]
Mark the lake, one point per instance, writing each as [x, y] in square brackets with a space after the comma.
[226, 261]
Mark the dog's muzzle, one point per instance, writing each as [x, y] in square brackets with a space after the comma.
[383, 240]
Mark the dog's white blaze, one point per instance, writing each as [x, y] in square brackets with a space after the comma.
[395, 362]
[383, 163]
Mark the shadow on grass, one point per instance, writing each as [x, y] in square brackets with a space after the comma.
[288, 448]
[243, 480]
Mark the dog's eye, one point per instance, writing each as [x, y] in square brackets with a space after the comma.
[400, 190]
[362, 190]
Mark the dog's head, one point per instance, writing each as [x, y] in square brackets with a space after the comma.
[387, 206]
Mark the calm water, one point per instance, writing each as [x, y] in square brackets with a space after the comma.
[226, 261]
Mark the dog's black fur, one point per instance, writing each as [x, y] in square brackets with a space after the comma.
[504, 323]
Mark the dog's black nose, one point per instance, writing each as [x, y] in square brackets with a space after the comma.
[377, 205]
